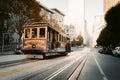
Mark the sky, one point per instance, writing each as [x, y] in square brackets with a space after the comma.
[74, 11]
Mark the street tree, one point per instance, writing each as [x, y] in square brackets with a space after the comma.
[80, 39]
[110, 34]
[23, 12]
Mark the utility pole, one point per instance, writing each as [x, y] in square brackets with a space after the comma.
[84, 23]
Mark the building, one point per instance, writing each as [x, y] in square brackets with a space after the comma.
[7, 35]
[70, 30]
[98, 26]
[3, 21]
[52, 15]
[109, 3]
[59, 16]
[99, 22]
[46, 13]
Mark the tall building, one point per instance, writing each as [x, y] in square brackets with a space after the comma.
[109, 3]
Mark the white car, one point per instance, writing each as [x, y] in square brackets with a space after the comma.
[116, 52]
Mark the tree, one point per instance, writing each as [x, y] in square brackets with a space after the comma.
[43, 18]
[104, 38]
[80, 39]
[73, 42]
[21, 12]
[112, 19]
[110, 34]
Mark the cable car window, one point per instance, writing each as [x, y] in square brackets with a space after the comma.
[34, 32]
[27, 33]
[42, 32]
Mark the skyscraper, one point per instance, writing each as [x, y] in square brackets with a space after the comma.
[109, 3]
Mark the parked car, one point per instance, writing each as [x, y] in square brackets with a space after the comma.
[105, 50]
[102, 50]
[18, 50]
[116, 51]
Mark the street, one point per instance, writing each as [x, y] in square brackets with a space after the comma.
[60, 40]
[101, 67]
[81, 64]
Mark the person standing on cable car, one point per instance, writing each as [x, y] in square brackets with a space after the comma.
[68, 46]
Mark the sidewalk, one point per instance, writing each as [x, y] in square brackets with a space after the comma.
[10, 56]
[7, 53]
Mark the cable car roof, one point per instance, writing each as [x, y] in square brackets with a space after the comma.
[41, 24]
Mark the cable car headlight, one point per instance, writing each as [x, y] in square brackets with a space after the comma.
[33, 46]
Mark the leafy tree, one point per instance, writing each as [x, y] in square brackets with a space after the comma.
[112, 19]
[73, 42]
[110, 34]
[80, 39]
[43, 18]
[105, 37]
[3, 9]
[23, 12]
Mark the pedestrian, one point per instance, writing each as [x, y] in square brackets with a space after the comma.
[68, 46]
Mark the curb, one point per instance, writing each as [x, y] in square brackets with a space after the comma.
[7, 53]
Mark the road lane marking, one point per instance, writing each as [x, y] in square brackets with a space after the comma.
[61, 69]
[100, 69]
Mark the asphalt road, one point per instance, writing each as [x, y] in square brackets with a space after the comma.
[81, 64]
[101, 67]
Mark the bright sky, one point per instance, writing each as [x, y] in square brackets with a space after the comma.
[74, 10]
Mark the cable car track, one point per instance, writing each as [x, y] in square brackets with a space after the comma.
[57, 71]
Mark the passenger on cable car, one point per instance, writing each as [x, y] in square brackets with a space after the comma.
[68, 46]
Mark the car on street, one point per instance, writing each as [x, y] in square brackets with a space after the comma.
[105, 50]
[102, 50]
[18, 51]
[116, 51]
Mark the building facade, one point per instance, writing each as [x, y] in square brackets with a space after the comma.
[59, 16]
[6, 30]
[70, 30]
[109, 3]
[46, 13]
[98, 26]
[99, 22]
[52, 15]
